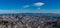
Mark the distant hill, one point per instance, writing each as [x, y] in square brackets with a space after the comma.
[33, 14]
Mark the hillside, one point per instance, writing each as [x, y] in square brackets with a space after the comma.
[30, 20]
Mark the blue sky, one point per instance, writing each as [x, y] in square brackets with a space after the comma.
[27, 6]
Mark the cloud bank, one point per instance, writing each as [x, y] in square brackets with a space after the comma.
[27, 11]
[9, 11]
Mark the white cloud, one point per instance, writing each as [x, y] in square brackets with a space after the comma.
[35, 4]
[38, 4]
[26, 6]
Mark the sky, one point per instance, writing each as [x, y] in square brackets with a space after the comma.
[29, 6]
